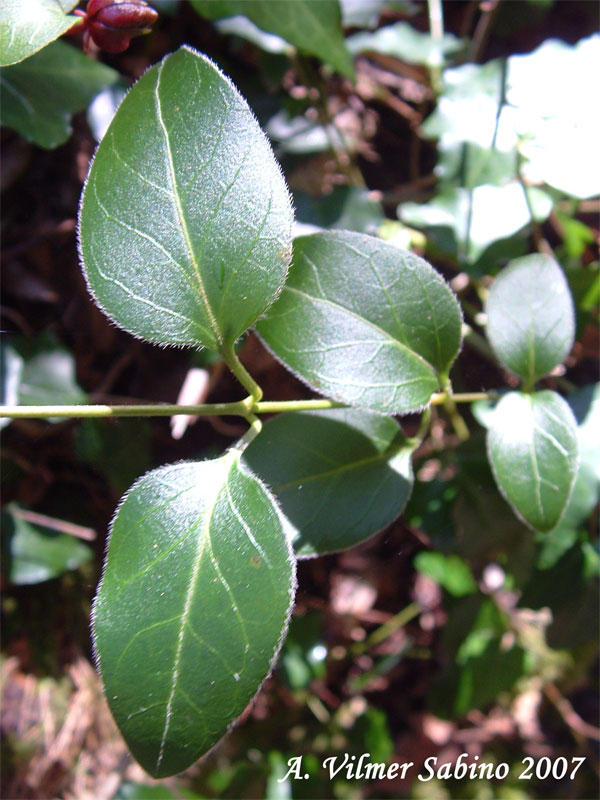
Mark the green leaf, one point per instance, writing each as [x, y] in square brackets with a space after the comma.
[29, 25]
[533, 450]
[39, 372]
[403, 41]
[33, 553]
[364, 322]
[40, 95]
[339, 476]
[505, 106]
[449, 571]
[185, 221]
[478, 216]
[531, 322]
[312, 26]
[192, 608]
[345, 208]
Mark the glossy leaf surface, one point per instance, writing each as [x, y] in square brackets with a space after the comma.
[313, 26]
[29, 25]
[192, 607]
[185, 223]
[530, 316]
[40, 95]
[33, 553]
[533, 450]
[339, 476]
[364, 322]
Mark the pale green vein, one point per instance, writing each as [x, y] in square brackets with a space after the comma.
[180, 213]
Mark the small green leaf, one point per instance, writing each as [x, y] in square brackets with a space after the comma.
[192, 608]
[40, 95]
[403, 41]
[33, 553]
[531, 321]
[449, 571]
[39, 372]
[364, 322]
[29, 25]
[185, 221]
[313, 26]
[533, 450]
[339, 476]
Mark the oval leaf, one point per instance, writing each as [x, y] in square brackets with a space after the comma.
[533, 450]
[40, 95]
[314, 28]
[531, 322]
[192, 607]
[364, 322]
[185, 222]
[339, 476]
[29, 25]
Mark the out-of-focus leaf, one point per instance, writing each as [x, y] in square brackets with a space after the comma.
[364, 322]
[244, 28]
[403, 41]
[531, 322]
[312, 26]
[39, 372]
[366, 13]
[103, 108]
[449, 571]
[33, 553]
[118, 447]
[535, 102]
[298, 135]
[29, 25]
[346, 208]
[483, 667]
[304, 652]
[40, 95]
[533, 449]
[339, 476]
[372, 735]
[480, 216]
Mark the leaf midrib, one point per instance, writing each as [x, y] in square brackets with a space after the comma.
[373, 325]
[203, 537]
[181, 216]
[385, 456]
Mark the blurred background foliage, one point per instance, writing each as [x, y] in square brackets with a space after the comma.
[464, 130]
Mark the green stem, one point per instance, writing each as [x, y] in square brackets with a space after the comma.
[238, 409]
[253, 431]
[241, 408]
[241, 373]
[379, 635]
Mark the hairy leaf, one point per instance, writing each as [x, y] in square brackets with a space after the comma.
[192, 607]
[185, 222]
[40, 95]
[313, 26]
[339, 476]
[533, 450]
[29, 25]
[364, 322]
[530, 316]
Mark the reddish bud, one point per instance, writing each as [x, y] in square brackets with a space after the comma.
[113, 23]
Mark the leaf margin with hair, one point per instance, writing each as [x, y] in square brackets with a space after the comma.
[372, 453]
[515, 456]
[219, 246]
[417, 353]
[57, 22]
[161, 747]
